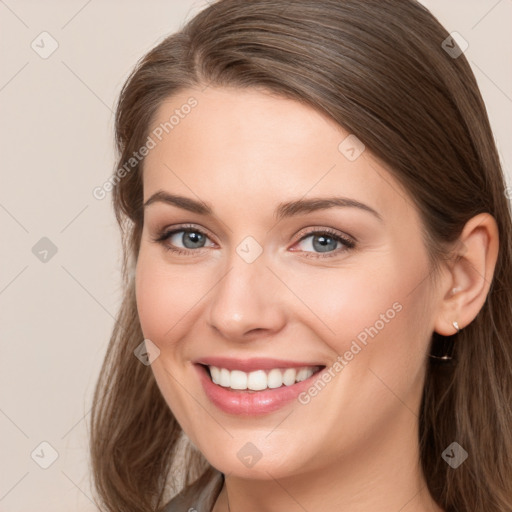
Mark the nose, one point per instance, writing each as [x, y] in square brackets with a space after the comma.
[247, 302]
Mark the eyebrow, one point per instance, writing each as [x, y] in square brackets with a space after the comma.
[286, 209]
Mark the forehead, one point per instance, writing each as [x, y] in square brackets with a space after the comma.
[251, 146]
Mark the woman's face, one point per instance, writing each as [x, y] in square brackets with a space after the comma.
[309, 255]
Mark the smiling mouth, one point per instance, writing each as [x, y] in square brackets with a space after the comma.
[259, 380]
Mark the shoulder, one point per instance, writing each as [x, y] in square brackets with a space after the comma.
[200, 496]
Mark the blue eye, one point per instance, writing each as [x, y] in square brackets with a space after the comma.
[191, 238]
[324, 243]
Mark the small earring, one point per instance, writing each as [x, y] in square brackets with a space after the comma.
[448, 346]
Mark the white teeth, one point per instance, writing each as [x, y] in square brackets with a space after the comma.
[274, 378]
[260, 379]
[225, 378]
[303, 374]
[257, 380]
[215, 373]
[238, 380]
[289, 376]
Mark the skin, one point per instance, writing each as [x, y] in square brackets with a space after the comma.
[354, 446]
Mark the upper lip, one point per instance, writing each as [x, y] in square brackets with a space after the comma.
[248, 365]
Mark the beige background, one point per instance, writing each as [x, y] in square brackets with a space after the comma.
[56, 146]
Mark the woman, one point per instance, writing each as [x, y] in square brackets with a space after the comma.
[318, 259]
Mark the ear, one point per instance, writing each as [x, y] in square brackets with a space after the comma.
[465, 287]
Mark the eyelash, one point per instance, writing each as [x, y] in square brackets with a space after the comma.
[347, 242]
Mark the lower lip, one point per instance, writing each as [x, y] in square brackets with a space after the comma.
[251, 403]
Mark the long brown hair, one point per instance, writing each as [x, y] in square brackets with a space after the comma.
[378, 68]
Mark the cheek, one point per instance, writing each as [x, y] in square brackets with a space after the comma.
[378, 310]
[376, 323]
[153, 296]
[165, 296]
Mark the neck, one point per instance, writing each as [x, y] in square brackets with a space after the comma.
[384, 475]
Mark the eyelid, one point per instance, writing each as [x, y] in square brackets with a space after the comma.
[311, 230]
[166, 232]
[349, 242]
